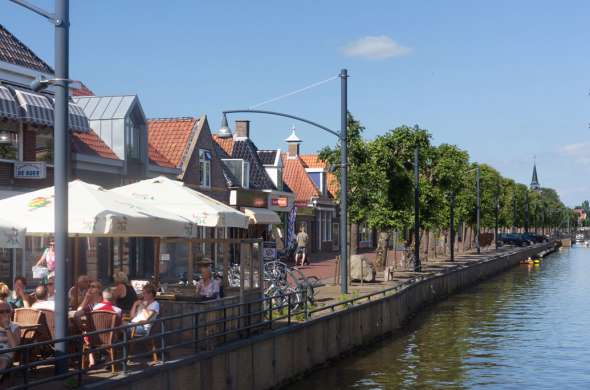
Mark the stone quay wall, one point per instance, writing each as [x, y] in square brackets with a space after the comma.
[277, 357]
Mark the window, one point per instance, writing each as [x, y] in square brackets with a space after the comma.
[132, 138]
[317, 175]
[9, 144]
[324, 219]
[246, 174]
[44, 145]
[364, 233]
[240, 169]
[280, 179]
[205, 168]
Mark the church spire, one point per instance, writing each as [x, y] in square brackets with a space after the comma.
[535, 186]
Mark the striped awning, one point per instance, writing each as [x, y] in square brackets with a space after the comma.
[34, 108]
[8, 105]
[78, 120]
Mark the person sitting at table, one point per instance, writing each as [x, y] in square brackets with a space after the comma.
[41, 293]
[91, 298]
[145, 310]
[51, 287]
[19, 298]
[9, 335]
[207, 286]
[107, 303]
[4, 292]
[82, 286]
[125, 295]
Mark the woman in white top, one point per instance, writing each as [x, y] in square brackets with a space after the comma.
[145, 310]
[207, 287]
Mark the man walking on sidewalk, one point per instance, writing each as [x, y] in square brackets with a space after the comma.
[302, 239]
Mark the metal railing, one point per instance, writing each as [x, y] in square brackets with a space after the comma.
[177, 337]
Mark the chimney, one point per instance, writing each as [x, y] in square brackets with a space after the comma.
[293, 143]
[242, 129]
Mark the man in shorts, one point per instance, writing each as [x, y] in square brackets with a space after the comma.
[302, 240]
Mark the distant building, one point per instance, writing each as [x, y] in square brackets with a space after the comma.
[581, 215]
[535, 186]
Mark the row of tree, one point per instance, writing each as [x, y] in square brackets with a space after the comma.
[381, 187]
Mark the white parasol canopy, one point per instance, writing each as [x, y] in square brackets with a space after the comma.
[175, 197]
[93, 211]
[11, 235]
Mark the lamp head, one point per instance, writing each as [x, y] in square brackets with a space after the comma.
[39, 84]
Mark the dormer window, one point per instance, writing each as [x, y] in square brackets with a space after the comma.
[318, 176]
[240, 169]
[133, 136]
[205, 168]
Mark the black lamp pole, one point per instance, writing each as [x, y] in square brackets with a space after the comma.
[61, 20]
[526, 211]
[417, 264]
[497, 213]
[478, 211]
[452, 226]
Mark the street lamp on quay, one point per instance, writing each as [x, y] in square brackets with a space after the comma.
[60, 19]
[342, 135]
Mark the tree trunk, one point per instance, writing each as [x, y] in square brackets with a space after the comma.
[354, 235]
[427, 243]
[381, 253]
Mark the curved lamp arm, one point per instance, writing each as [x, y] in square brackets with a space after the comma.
[283, 115]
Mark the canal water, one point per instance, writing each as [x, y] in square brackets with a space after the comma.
[526, 328]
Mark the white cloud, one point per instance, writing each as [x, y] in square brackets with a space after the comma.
[376, 48]
[580, 152]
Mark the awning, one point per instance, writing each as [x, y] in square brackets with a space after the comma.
[260, 216]
[35, 108]
[78, 120]
[8, 105]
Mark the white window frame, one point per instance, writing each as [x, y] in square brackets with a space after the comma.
[246, 174]
[205, 168]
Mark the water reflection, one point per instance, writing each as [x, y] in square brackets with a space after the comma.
[526, 328]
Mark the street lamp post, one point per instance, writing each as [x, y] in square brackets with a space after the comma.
[514, 211]
[417, 264]
[526, 212]
[60, 169]
[478, 211]
[343, 137]
[497, 213]
[452, 246]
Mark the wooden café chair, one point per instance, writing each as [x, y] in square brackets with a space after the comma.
[101, 320]
[155, 326]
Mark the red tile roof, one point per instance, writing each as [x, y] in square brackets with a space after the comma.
[226, 143]
[90, 143]
[313, 161]
[13, 51]
[170, 137]
[158, 159]
[295, 176]
[82, 91]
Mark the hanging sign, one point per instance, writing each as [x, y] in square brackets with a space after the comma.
[30, 170]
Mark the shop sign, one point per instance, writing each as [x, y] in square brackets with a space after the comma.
[164, 256]
[248, 198]
[30, 170]
[281, 201]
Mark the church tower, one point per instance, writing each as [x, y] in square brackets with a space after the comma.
[535, 186]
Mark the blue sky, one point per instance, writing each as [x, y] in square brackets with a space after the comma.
[504, 80]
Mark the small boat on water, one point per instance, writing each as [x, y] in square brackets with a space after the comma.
[579, 237]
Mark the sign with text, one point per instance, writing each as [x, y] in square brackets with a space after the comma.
[281, 201]
[30, 170]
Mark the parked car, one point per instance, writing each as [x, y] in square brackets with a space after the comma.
[513, 239]
[535, 238]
